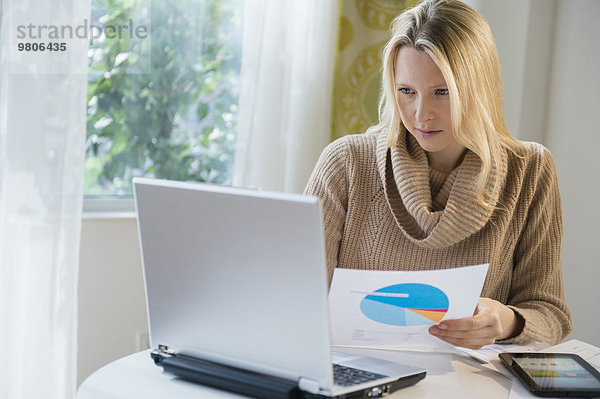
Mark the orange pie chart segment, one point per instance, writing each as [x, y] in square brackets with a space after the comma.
[433, 315]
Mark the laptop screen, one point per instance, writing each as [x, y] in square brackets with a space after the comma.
[236, 276]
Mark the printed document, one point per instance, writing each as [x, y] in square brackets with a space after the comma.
[588, 352]
[394, 309]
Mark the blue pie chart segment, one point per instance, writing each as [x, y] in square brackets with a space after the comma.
[406, 305]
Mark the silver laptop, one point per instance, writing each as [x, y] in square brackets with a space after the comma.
[236, 278]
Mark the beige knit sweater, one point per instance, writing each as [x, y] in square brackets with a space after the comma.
[385, 209]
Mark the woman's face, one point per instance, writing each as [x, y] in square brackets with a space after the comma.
[424, 106]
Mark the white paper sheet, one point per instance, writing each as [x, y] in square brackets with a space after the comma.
[488, 355]
[490, 352]
[394, 309]
[588, 352]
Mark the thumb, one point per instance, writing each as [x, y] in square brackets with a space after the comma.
[481, 307]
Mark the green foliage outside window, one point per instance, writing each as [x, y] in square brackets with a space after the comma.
[179, 120]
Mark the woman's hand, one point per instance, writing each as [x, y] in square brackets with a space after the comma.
[492, 321]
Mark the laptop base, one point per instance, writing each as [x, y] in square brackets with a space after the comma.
[227, 378]
[258, 385]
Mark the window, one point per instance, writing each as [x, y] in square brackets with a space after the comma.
[162, 92]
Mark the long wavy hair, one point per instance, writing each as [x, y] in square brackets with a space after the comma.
[460, 42]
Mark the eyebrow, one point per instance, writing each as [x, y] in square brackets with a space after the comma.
[436, 86]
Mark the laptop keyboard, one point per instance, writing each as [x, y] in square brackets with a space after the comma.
[346, 376]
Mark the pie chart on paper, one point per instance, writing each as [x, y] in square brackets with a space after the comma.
[405, 305]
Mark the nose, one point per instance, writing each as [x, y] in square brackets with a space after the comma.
[425, 110]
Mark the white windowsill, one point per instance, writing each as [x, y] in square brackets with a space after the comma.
[107, 215]
[108, 208]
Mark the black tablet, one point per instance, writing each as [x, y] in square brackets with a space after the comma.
[554, 374]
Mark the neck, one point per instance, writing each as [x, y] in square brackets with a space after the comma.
[446, 160]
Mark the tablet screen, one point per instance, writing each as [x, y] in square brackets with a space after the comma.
[553, 372]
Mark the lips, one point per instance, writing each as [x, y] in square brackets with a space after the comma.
[428, 133]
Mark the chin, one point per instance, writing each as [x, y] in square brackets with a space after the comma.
[430, 147]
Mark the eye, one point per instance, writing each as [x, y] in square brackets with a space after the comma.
[441, 92]
[404, 90]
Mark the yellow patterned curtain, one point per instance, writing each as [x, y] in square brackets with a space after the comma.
[363, 32]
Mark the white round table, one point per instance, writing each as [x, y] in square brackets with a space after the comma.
[448, 376]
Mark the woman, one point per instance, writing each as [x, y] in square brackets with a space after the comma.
[440, 182]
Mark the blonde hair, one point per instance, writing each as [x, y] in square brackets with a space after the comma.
[460, 42]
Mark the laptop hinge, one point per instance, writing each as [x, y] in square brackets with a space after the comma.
[308, 385]
[164, 349]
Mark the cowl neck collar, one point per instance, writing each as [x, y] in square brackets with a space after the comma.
[404, 172]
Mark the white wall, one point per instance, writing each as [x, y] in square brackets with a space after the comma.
[112, 304]
[573, 135]
[551, 65]
[511, 46]
[523, 33]
[550, 60]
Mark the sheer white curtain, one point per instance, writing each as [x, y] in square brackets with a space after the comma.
[288, 58]
[42, 133]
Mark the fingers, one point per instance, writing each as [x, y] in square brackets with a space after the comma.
[473, 339]
[482, 323]
[472, 332]
[468, 343]
[477, 322]
[485, 331]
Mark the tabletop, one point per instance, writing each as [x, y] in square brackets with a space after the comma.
[448, 376]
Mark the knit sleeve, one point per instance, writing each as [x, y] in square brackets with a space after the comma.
[329, 182]
[537, 284]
